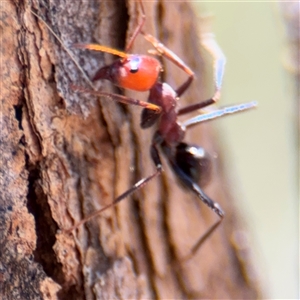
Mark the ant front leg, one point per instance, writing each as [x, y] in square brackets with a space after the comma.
[170, 55]
[157, 161]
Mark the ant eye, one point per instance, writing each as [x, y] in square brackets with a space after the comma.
[134, 64]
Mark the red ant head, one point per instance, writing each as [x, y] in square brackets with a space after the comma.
[135, 72]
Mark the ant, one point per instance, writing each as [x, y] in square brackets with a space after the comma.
[190, 163]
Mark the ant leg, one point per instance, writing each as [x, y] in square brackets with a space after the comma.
[210, 44]
[170, 55]
[119, 98]
[138, 29]
[219, 60]
[189, 183]
[196, 106]
[219, 113]
[193, 186]
[202, 239]
[156, 159]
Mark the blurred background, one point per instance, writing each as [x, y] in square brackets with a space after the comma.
[253, 36]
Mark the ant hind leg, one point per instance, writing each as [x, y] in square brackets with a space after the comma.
[156, 159]
[215, 207]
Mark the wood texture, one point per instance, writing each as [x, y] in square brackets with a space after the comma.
[65, 154]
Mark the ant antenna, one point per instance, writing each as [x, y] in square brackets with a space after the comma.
[101, 48]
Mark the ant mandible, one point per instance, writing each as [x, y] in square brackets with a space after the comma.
[137, 72]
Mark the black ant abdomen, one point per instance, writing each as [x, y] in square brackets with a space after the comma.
[195, 162]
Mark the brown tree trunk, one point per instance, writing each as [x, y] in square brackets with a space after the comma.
[65, 154]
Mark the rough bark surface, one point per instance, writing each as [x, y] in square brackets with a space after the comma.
[65, 154]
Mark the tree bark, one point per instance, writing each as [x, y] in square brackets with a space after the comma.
[65, 155]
